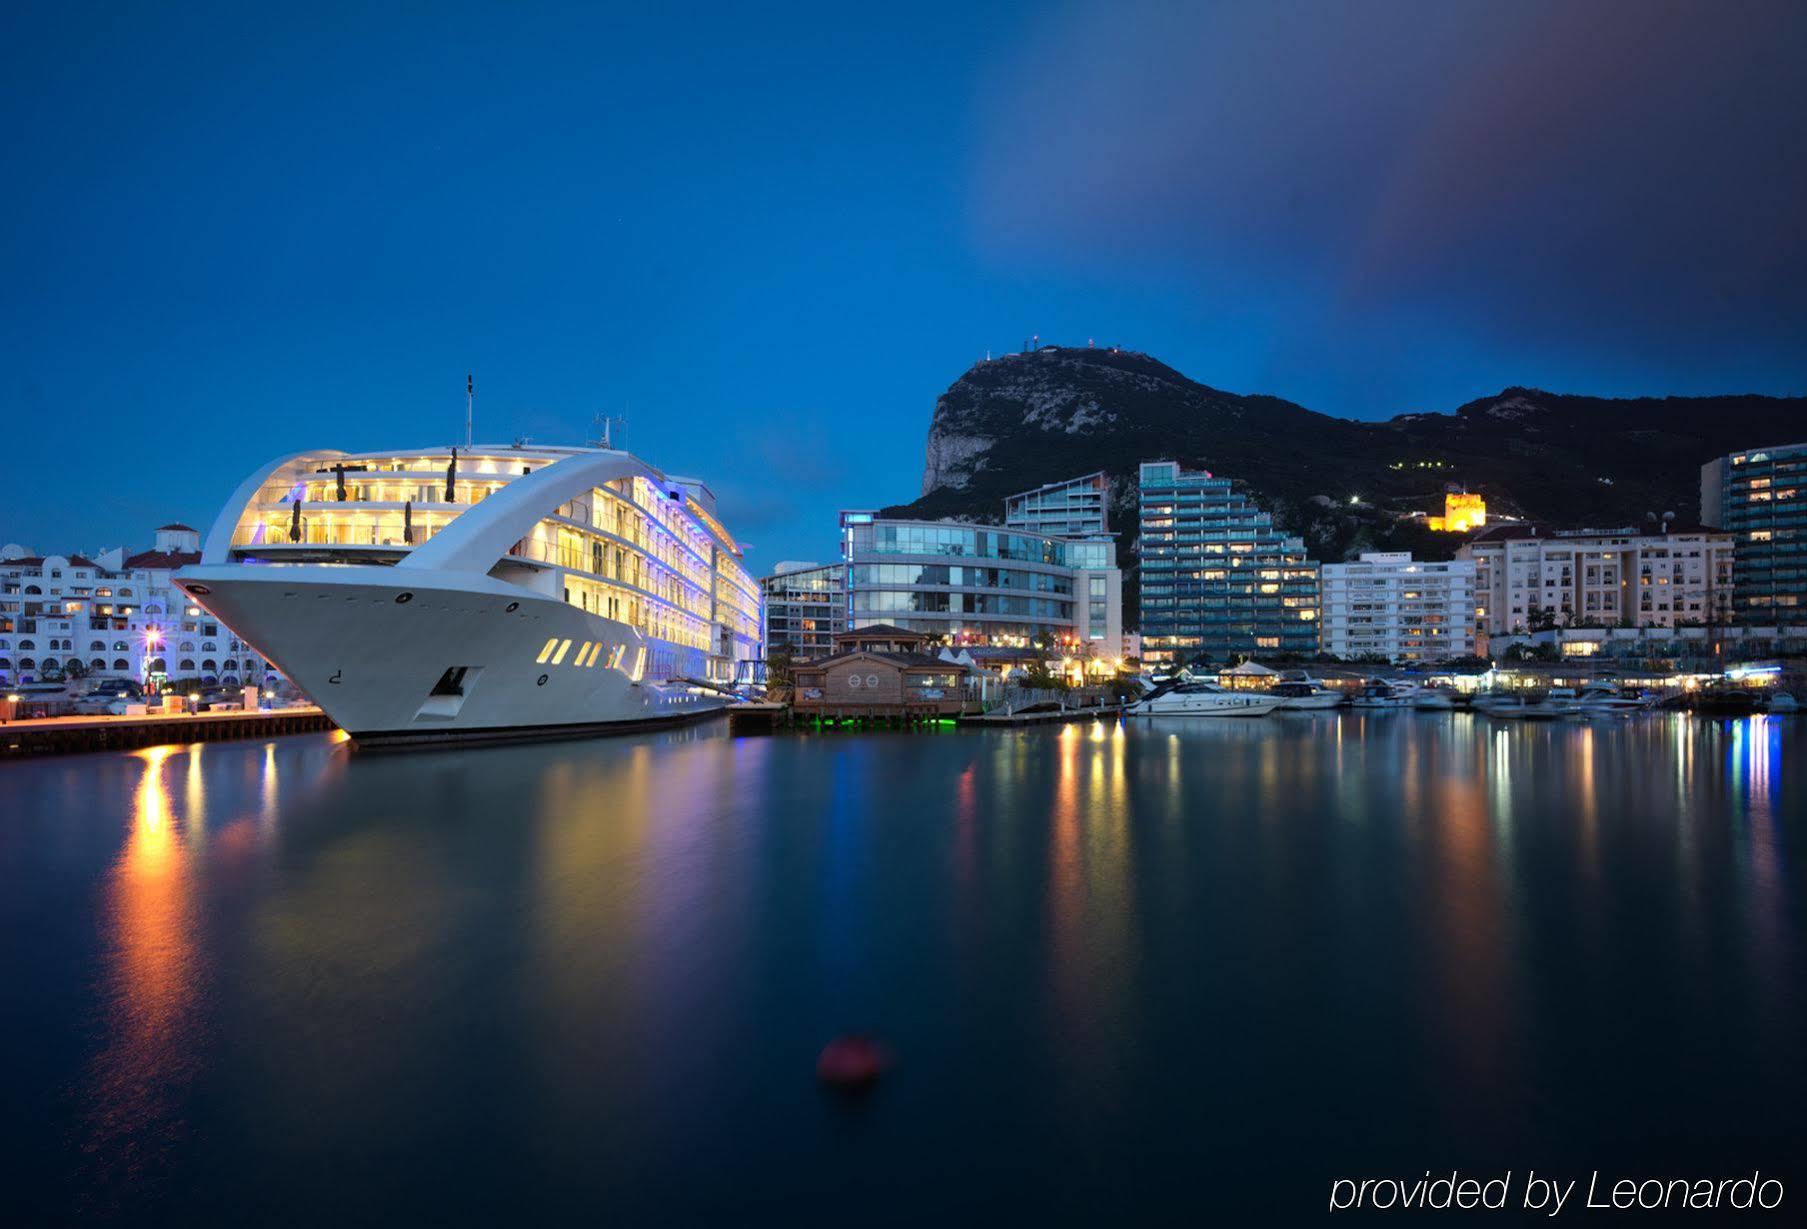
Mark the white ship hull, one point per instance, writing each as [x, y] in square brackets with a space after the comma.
[372, 644]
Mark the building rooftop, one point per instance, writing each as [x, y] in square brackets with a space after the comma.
[908, 661]
[1055, 486]
[178, 526]
[880, 631]
[37, 561]
[163, 559]
[1519, 530]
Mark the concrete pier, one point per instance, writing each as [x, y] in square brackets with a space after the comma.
[69, 735]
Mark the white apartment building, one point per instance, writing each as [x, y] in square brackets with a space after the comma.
[118, 616]
[1390, 605]
[1661, 575]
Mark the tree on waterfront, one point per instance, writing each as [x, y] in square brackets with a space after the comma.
[778, 662]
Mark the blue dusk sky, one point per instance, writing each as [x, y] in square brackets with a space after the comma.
[772, 235]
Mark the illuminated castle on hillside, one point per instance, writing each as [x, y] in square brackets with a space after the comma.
[1461, 512]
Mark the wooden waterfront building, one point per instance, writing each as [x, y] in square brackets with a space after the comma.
[883, 672]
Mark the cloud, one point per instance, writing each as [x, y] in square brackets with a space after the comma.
[1632, 169]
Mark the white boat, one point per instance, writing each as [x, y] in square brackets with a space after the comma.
[1306, 694]
[1601, 700]
[491, 593]
[1434, 699]
[1381, 694]
[1205, 700]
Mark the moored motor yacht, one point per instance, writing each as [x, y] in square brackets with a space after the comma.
[1306, 694]
[1603, 700]
[1378, 693]
[1199, 699]
[1435, 699]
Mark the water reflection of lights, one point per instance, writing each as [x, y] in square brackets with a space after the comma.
[194, 794]
[1749, 756]
[151, 971]
[1091, 889]
[1589, 802]
[271, 799]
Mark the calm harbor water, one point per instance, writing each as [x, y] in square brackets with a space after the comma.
[1164, 969]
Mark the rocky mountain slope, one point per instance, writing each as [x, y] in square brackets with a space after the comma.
[1016, 422]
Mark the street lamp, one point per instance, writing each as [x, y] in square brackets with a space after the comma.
[152, 639]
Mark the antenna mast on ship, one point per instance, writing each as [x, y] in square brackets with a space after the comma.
[604, 430]
[470, 404]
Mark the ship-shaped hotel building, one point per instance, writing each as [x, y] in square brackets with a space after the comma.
[489, 592]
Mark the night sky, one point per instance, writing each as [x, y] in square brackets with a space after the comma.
[771, 237]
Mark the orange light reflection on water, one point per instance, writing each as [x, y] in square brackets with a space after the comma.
[151, 973]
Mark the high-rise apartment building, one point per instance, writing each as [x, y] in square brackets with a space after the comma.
[1760, 497]
[1388, 604]
[1217, 576]
[1662, 575]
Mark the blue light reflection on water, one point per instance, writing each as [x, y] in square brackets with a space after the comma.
[281, 981]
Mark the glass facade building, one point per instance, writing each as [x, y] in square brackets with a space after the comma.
[1076, 508]
[805, 607]
[1760, 497]
[981, 584]
[1217, 577]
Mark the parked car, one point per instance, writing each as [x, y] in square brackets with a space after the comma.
[40, 699]
[104, 694]
[219, 697]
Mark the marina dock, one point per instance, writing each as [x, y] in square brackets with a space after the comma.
[758, 718]
[1041, 716]
[68, 735]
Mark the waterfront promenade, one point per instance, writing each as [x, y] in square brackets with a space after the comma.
[68, 735]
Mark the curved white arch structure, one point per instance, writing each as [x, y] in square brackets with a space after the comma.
[474, 542]
[215, 548]
[513, 592]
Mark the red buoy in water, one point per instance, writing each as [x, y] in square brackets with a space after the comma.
[852, 1063]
